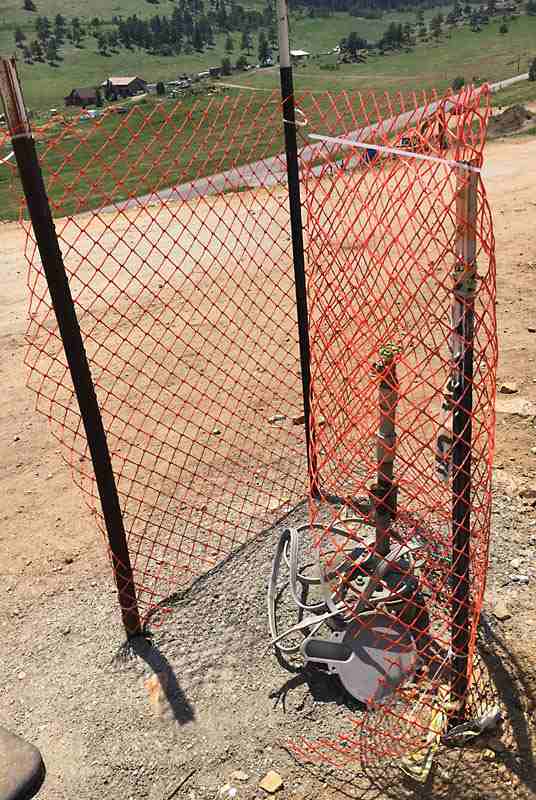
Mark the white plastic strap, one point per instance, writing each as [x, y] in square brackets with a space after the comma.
[300, 123]
[7, 158]
[394, 151]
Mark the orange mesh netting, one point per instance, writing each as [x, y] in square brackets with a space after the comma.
[184, 290]
[401, 279]
[185, 298]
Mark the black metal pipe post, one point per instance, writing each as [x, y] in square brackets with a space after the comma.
[296, 226]
[463, 336]
[62, 301]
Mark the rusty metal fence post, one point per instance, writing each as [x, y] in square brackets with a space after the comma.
[462, 397]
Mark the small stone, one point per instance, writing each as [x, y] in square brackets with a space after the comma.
[66, 631]
[519, 578]
[500, 611]
[238, 775]
[532, 329]
[508, 388]
[488, 754]
[276, 418]
[216, 431]
[156, 686]
[271, 782]
[299, 420]
[21, 676]
[68, 560]
[275, 504]
[515, 563]
[529, 493]
[533, 451]
[227, 792]
[516, 406]
[16, 438]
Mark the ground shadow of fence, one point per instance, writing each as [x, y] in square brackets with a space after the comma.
[480, 770]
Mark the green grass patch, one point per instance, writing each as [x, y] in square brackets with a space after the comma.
[92, 164]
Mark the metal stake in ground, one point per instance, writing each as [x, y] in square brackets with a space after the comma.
[462, 403]
[293, 177]
[62, 301]
[384, 492]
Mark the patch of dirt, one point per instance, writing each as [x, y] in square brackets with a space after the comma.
[207, 696]
[513, 120]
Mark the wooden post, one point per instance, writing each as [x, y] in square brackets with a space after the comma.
[462, 408]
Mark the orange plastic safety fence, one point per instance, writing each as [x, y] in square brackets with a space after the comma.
[185, 296]
[401, 277]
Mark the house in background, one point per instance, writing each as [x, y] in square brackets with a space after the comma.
[124, 87]
[81, 97]
[298, 56]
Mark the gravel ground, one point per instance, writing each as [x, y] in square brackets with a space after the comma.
[108, 728]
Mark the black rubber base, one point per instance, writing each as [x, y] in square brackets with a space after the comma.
[22, 770]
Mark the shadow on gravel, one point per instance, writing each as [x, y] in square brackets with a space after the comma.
[143, 647]
[323, 688]
[472, 772]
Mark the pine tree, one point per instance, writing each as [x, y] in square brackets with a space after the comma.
[37, 50]
[435, 25]
[20, 36]
[532, 70]
[226, 68]
[102, 43]
[406, 33]
[245, 44]
[29, 5]
[264, 49]
[197, 39]
[229, 44]
[52, 50]
[42, 27]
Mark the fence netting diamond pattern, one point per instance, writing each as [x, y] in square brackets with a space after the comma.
[173, 224]
[401, 310]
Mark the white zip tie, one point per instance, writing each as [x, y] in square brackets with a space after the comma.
[394, 151]
[7, 158]
[298, 123]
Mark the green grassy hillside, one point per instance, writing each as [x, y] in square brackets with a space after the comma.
[487, 55]
[46, 85]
